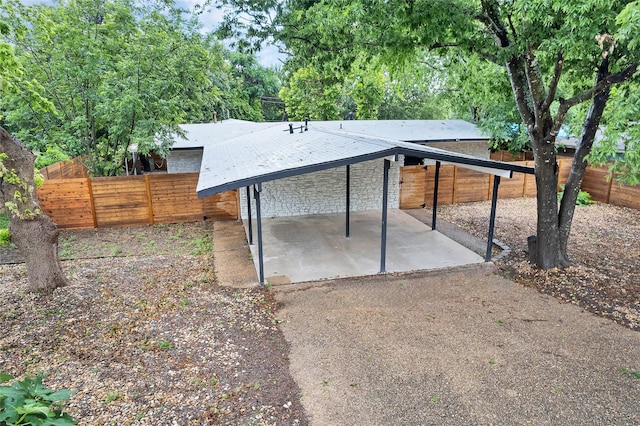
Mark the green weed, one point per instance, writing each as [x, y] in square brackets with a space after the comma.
[28, 402]
[201, 245]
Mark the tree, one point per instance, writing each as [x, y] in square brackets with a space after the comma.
[556, 55]
[119, 72]
[309, 95]
[33, 232]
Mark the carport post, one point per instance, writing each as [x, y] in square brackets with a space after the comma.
[256, 194]
[492, 219]
[348, 201]
[435, 196]
[385, 196]
[249, 215]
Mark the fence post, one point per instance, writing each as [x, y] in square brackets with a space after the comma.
[92, 203]
[149, 202]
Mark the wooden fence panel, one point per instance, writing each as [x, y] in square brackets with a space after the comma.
[70, 169]
[223, 206]
[121, 201]
[625, 196]
[530, 182]
[412, 187]
[174, 199]
[470, 185]
[595, 183]
[510, 188]
[564, 167]
[68, 202]
[445, 184]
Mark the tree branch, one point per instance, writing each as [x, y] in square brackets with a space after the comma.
[566, 104]
[534, 82]
[553, 85]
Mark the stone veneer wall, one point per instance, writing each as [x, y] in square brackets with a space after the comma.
[324, 191]
[184, 160]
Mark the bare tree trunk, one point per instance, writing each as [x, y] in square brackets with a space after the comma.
[33, 232]
[579, 165]
[548, 244]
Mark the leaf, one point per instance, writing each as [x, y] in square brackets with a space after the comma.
[5, 378]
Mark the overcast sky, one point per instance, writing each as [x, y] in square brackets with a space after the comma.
[268, 56]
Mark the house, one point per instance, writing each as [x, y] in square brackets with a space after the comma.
[315, 169]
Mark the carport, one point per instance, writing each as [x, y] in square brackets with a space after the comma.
[280, 152]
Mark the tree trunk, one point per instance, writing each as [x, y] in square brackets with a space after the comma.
[546, 169]
[579, 165]
[33, 232]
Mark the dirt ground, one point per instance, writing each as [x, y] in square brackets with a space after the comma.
[146, 335]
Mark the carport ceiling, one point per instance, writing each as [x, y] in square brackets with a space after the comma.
[275, 153]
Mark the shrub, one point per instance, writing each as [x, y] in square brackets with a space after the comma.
[4, 220]
[5, 237]
[584, 198]
[28, 402]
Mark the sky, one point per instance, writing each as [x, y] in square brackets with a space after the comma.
[268, 56]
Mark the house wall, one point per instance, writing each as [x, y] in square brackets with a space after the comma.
[325, 191]
[184, 160]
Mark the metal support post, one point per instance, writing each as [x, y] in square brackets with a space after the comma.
[348, 202]
[249, 216]
[492, 219]
[435, 196]
[256, 194]
[385, 196]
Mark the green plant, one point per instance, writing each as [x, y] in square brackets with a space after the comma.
[164, 344]
[28, 402]
[631, 372]
[584, 198]
[112, 396]
[202, 245]
[5, 237]
[4, 220]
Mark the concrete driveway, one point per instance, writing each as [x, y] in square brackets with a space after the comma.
[461, 346]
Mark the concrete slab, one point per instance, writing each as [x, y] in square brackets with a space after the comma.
[314, 247]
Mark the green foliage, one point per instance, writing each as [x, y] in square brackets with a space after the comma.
[4, 220]
[52, 154]
[5, 237]
[117, 73]
[28, 402]
[584, 198]
[310, 95]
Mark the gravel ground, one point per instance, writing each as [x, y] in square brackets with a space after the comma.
[149, 338]
[604, 247]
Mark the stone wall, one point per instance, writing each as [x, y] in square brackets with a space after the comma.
[325, 191]
[184, 160]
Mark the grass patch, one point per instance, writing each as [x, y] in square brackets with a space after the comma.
[4, 220]
[5, 237]
[201, 246]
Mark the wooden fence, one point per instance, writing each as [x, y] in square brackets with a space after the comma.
[132, 200]
[70, 169]
[461, 185]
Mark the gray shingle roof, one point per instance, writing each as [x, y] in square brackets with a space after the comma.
[409, 130]
[273, 153]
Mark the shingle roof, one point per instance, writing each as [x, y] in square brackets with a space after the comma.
[273, 153]
[409, 130]
[203, 134]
